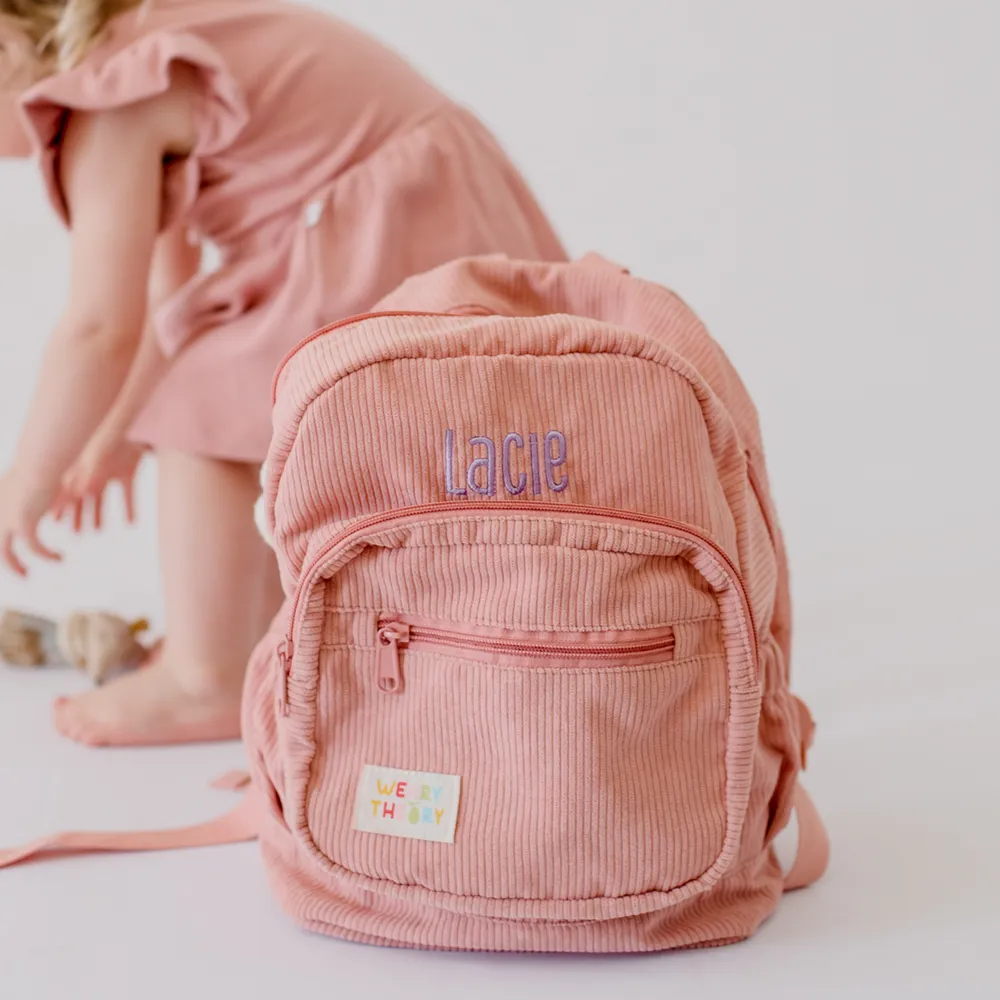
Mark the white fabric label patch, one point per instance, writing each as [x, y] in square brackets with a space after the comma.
[413, 804]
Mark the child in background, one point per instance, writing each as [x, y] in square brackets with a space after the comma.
[325, 171]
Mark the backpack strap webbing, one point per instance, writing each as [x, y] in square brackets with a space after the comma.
[813, 852]
[236, 826]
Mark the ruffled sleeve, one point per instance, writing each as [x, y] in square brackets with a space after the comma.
[136, 73]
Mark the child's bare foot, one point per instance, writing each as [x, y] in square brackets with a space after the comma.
[150, 706]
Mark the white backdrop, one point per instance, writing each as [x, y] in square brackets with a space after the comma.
[820, 182]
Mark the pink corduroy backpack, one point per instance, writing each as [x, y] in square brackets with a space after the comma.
[529, 691]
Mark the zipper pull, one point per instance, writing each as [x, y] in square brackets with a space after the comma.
[286, 653]
[391, 635]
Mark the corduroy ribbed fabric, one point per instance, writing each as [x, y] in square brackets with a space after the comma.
[561, 457]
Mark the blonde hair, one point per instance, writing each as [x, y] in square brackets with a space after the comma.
[59, 33]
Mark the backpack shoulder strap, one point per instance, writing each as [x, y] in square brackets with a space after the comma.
[241, 824]
[813, 852]
[236, 826]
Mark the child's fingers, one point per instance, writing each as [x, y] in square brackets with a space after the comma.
[36, 545]
[67, 508]
[10, 556]
[98, 510]
[128, 487]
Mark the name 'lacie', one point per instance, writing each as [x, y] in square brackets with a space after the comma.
[514, 465]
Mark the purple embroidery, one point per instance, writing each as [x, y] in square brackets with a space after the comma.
[552, 462]
[536, 482]
[449, 465]
[481, 470]
[487, 462]
[513, 488]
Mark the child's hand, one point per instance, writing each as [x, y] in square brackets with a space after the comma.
[106, 458]
[22, 506]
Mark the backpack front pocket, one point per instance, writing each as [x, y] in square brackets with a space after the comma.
[506, 767]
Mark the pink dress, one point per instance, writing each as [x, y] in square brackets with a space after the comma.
[326, 171]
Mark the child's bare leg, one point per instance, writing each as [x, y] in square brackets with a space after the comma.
[221, 591]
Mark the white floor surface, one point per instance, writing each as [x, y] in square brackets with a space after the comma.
[909, 907]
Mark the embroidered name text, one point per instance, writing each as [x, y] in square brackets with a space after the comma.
[514, 465]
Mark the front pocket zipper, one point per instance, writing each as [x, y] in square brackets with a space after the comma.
[395, 634]
[313, 572]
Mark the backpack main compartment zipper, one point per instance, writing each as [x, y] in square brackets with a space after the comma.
[309, 576]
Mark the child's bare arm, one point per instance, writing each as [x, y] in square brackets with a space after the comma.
[175, 261]
[107, 456]
[112, 175]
